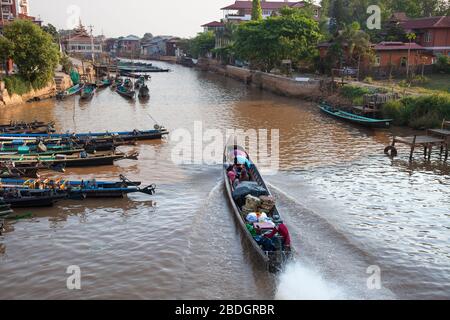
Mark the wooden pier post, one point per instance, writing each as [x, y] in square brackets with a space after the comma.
[413, 145]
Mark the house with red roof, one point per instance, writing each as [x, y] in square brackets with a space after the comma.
[433, 33]
[242, 10]
[395, 54]
[390, 58]
[213, 26]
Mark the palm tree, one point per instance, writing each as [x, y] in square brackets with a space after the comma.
[357, 43]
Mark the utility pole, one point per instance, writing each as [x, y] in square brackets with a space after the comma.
[91, 27]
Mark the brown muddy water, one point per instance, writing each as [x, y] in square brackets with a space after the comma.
[347, 205]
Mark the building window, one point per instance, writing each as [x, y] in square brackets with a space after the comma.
[428, 37]
[403, 62]
[316, 13]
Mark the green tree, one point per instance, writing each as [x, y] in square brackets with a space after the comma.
[50, 29]
[202, 44]
[339, 15]
[265, 43]
[256, 10]
[6, 51]
[33, 51]
[351, 43]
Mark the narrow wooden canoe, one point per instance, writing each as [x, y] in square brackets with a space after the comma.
[353, 118]
[125, 92]
[75, 160]
[157, 133]
[30, 198]
[70, 92]
[273, 260]
[88, 92]
[89, 188]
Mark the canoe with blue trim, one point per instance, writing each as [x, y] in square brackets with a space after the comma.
[353, 118]
[157, 133]
[90, 188]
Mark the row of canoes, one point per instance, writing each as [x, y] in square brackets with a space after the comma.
[86, 91]
[23, 156]
[70, 150]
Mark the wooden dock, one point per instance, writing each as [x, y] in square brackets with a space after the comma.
[427, 142]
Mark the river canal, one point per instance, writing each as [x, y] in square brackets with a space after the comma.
[347, 205]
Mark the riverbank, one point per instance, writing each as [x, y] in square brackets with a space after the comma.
[308, 89]
[7, 99]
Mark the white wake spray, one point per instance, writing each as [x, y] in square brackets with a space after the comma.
[298, 282]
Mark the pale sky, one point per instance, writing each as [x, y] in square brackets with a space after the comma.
[123, 17]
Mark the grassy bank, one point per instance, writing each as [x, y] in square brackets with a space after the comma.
[419, 112]
[17, 85]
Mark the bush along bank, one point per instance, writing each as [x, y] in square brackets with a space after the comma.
[419, 112]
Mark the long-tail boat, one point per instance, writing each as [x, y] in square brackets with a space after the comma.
[353, 118]
[82, 159]
[30, 127]
[144, 92]
[88, 91]
[135, 75]
[275, 256]
[70, 92]
[89, 188]
[157, 133]
[126, 92]
[18, 198]
[103, 83]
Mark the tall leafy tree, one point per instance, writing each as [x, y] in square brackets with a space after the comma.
[33, 51]
[339, 15]
[266, 43]
[256, 10]
[353, 44]
[6, 51]
[202, 44]
[50, 29]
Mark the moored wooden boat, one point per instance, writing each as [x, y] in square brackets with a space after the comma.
[18, 198]
[126, 92]
[24, 127]
[88, 91]
[103, 83]
[157, 133]
[353, 118]
[275, 258]
[134, 75]
[70, 92]
[82, 159]
[144, 92]
[89, 188]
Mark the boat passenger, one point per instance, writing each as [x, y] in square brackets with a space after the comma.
[244, 175]
[232, 176]
[283, 231]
